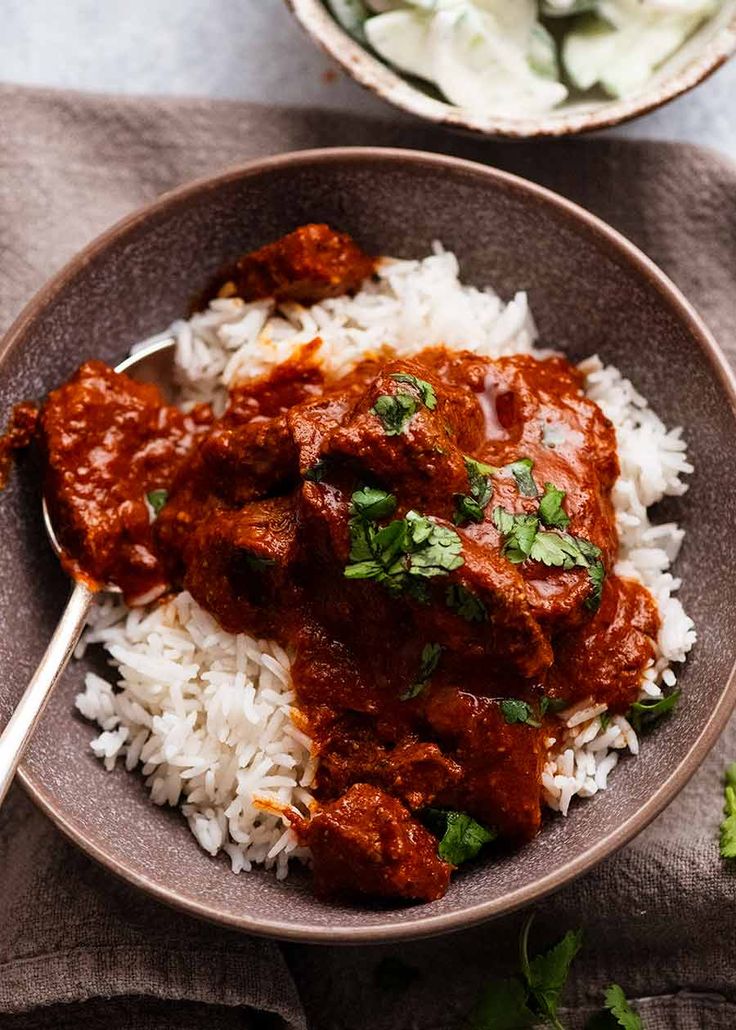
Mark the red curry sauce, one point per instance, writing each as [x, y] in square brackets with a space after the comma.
[260, 525]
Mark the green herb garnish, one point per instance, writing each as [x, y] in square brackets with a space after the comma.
[515, 711]
[521, 470]
[553, 705]
[550, 508]
[316, 473]
[430, 660]
[532, 997]
[372, 504]
[619, 1013]
[728, 826]
[395, 412]
[461, 837]
[647, 711]
[523, 539]
[470, 507]
[255, 562]
[403, 554]
[425, 390]
[157, 499]
[465, 603]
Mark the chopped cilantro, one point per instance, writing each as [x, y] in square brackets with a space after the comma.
[728, 826]
[255, 562]
[553, 705]
[402, 554]
[619, 1012]
[550, 508]
[470, 507]
[519, 531]
[461, 837]
[645, 712]
[395, 412]
[425, 390]
[372, 504]
[515, 711]
[597, 573]
[430, 660]
[157, 499]
[316, 473]
[524, 539]
[521, 470]
[467, 604]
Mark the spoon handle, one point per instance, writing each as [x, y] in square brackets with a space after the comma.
[23, 721]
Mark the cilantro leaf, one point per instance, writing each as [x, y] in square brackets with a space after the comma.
[547, 974]
[645, 712]
[157, 499]
[255, 562]
[430, 660]
[521, 470]
[552, 705]
[395, 412]
[465, 603]
[372, 504]
[554, 549]
[425, 390]
[550, 508]
[728, 826]
[503, 1006]
[515, 711]
[519, 531]
[404, 553]
[461, 837]
[470, 507]
[316, 473]
[622, 1012]
[597, 573]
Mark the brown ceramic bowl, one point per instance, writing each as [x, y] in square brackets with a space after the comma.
[701, 55]
[590, 290]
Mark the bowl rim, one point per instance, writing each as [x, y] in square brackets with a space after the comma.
[381, 80]
[395, 928]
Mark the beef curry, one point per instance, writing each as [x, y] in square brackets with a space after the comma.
[433, 539]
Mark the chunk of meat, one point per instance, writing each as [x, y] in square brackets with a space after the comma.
[239, 562]
[367, 843]
[422, 459]
[19, 433]
[307, 265]
[110, 440]
[501, 762]
[618, 643]
[414, 771]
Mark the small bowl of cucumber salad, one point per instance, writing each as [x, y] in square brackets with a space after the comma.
[525, 68]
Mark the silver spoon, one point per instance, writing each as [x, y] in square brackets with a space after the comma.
[152, 363]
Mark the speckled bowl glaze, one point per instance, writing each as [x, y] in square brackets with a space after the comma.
[701, 55]
[590, 291]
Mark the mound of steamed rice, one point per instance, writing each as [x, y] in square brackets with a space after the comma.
[208, 715]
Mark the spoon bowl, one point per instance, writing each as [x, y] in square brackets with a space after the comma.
[151, 362]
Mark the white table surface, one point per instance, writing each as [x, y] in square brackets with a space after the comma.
[250, 50]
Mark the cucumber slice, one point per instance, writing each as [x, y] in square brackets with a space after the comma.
[543, 53]
[351, 14]
[402, 39]
[565, 8]
[478, 68]
[622, 59]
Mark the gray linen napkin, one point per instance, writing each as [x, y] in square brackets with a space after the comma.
[76, 945]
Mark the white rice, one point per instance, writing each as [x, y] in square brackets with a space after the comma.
[207, 715]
